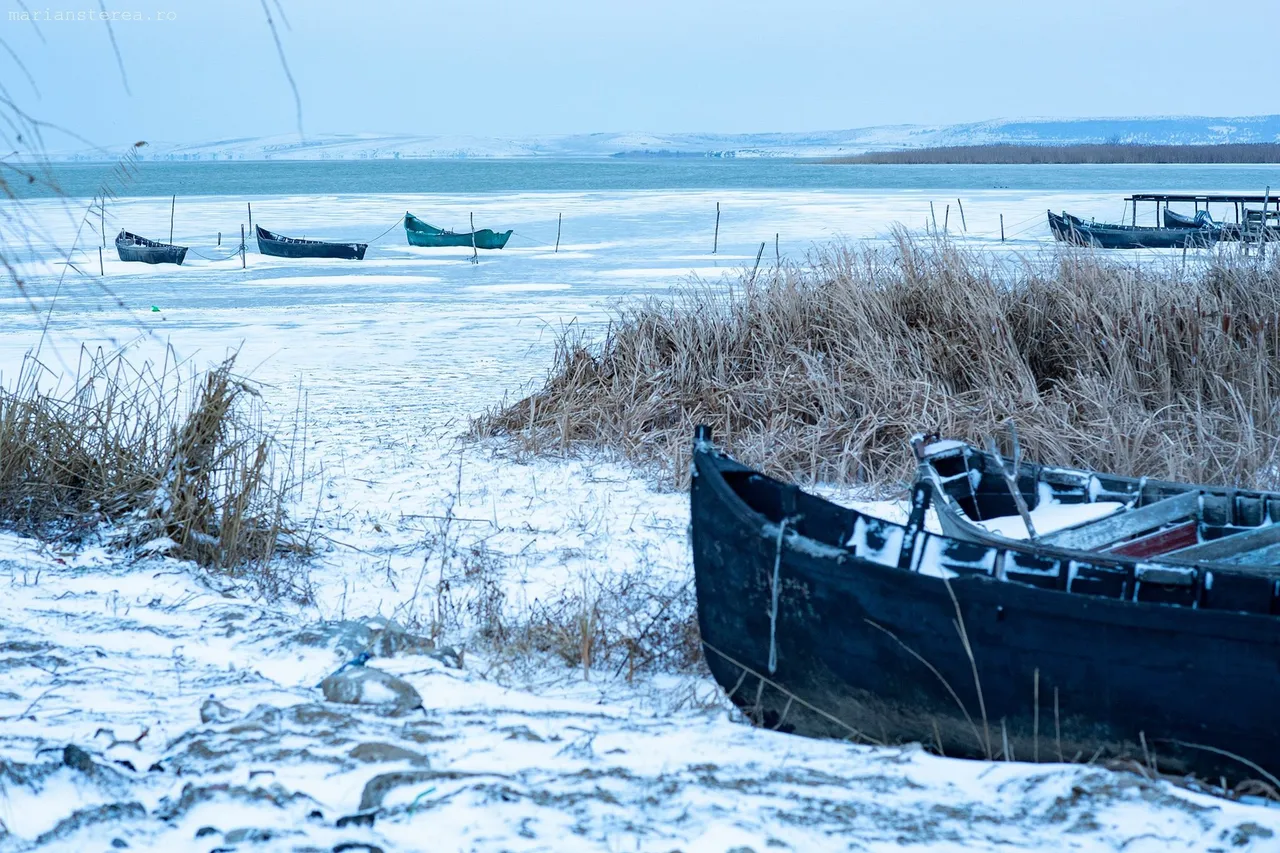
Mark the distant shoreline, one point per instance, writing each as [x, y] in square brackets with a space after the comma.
[1239, 154]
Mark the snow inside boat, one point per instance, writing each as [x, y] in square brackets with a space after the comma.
[977, 497]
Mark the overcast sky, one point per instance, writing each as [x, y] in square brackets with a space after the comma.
[200, 70]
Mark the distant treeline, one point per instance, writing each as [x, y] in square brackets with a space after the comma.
[1251, 152]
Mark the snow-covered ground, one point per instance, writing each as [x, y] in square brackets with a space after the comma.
[1170, 130]
[144, 701]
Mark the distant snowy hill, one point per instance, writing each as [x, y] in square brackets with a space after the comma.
[368, 146]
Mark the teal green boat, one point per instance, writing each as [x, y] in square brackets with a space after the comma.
[422, 234]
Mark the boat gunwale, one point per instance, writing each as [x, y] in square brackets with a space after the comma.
[1098, 609]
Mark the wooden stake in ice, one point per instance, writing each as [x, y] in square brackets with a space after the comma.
[242, 265]
[963, 225]
[559, 222]
[933, 216]
[1002, 228]
[715, 243]
[249, 204]
[100, 272]
[475, 256]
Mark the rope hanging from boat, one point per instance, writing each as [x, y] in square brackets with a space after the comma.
[393, 227]
[233, 254]
[773, 606]
[530, 239]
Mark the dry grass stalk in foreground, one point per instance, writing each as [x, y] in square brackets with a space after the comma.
[823, 371]
[155, 459]
[620, 621]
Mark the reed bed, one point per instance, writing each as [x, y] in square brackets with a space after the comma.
[822, 371]
[1111, 152]
[154, 462]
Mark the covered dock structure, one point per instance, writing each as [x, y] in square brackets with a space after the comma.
[1267, 205]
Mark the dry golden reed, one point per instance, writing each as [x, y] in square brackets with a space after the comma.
[822, 371]
[143, 457]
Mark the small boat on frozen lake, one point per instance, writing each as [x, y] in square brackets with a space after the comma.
[821, 620]
[132, 248]
[280, 246]
[1074, 230]
[420, 233]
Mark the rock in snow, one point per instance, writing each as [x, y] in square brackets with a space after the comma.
[365, 685]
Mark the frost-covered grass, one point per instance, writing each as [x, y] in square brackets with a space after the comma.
[824, 369]
[165, 464]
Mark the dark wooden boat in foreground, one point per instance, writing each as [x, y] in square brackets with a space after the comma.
[293, 247]
[1174, 523]
[131, 247]
[1072, 229]
[823, 621]
[420, 233]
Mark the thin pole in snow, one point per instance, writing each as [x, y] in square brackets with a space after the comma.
[946, 218]
[242, 266]
[1002, 228]
[172, 203]
[219, 238]
[559, 222]
[249, 204]
[933, 216]
[759, 255]
[715, 243]
[475, 256]
[100, 271]
[102, 219]
[777, 255]
[964, 225]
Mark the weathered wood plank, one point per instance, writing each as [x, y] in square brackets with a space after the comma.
[1124, 525]
[1160, 542]
[1232, 547]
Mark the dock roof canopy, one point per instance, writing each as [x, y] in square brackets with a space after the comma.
[1221, 198]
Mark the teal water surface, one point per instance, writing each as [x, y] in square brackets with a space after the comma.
[324, 177]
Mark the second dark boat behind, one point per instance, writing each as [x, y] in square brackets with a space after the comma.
[1222, 230]
[280, 246]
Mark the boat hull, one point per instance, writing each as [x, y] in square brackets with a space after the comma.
[292, 247]
[420, 233]
[1071, 229]
[877, 653]
[134, 249]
